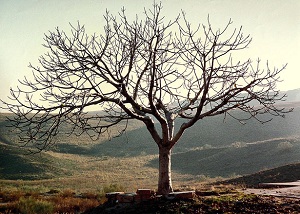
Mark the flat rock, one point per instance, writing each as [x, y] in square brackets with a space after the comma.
[283, 184]
[286, 189]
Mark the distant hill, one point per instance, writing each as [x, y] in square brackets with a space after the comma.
[236, 160]
[213, 147]
[15, 165]
[210, 132]
[293, 95]
[286, 173]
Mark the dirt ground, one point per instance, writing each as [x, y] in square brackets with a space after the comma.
[284, 189]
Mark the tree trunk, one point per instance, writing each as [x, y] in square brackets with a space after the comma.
[164, 180]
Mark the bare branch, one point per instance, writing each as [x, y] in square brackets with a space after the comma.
[147, 69]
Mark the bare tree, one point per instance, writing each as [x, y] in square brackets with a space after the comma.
[148, 70]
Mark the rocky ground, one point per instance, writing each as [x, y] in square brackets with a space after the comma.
[218, 203]
[283, 197]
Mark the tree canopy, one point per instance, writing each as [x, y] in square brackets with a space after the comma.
[147, 69]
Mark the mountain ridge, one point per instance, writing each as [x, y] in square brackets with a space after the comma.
[213, 147]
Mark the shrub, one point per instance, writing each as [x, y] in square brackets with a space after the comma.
[8, 196]
[74, 205]
[67, 193]
[32, 206]
[53, 191]
[207, 146]
[68, 202]
[113, 188]
[238, 144]
[285, 146]
[110, 188]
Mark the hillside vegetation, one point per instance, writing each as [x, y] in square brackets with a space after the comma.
[215, 147]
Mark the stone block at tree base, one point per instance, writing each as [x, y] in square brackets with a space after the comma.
[126, 198]
[182, 195]
[144, 195]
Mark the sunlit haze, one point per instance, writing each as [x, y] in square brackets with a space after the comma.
[274, 26]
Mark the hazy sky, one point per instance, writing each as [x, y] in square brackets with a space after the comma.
[273, 24]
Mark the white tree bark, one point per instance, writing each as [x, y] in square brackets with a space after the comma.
[164, 181]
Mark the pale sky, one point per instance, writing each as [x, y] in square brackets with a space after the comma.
[274, 26]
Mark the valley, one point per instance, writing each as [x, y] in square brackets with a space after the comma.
[214, 149]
